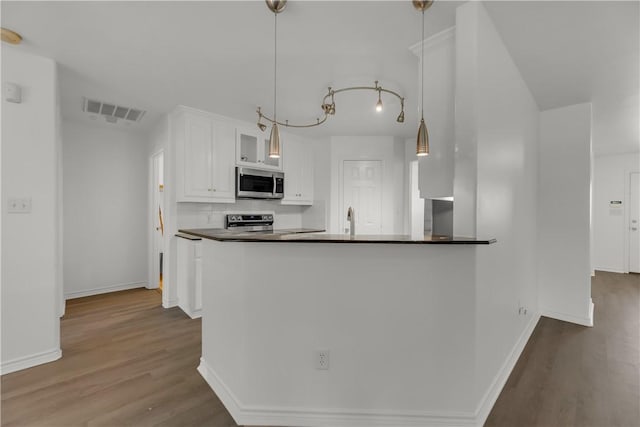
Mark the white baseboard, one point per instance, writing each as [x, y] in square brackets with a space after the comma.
[30, 361]
[609, 270]
[194, 314]
[310, 417]
[169, 303]
[565, 317]
[104, 290]
[491, 395]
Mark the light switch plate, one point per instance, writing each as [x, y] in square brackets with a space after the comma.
[19, 205]
[12, 92]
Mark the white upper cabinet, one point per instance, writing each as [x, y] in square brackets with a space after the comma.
[298, 173]
[252, 149]
[205, 154]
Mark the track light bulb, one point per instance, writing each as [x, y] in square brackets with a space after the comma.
[379, 105]
[262, 126]
[400, 118]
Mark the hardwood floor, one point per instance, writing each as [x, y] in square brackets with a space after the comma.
[128, 362]
[570, 375]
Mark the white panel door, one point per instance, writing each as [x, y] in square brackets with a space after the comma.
[362, 190]
[198, 156]
[634, 223]
[224, 151]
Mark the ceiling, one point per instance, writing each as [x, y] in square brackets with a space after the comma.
[218, 56]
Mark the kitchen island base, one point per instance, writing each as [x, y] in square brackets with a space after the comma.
[398, 320]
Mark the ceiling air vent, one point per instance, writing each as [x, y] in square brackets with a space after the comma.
[112, 112]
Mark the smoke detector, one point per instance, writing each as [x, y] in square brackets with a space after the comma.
[112, 112]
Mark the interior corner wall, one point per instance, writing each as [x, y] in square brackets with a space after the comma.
[317, 215]
[497, 122]
[105, 215]
[30, 270]
[611, 183]
[564, 211]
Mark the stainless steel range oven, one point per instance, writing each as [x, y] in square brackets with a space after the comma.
[249, 222]
[259, 184]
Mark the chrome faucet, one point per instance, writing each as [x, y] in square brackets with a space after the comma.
[351, 217]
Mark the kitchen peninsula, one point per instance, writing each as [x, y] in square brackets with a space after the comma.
[394, 320]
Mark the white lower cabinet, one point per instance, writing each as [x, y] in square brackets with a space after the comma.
[205, 158]
[298, 172]
[189, 276]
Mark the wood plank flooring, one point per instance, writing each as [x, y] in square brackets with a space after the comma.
[570, 375]
[128, 362]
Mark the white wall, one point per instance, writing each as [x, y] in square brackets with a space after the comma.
[388, 149]
[317, 215]
[610, 222]
[30, 241]
[105, 216]
[401, 351]
[564, 214]
[495, 192]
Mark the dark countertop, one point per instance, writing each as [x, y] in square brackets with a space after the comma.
[188, 236]
[306, 235]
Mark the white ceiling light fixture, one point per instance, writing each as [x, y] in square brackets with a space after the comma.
[422, 141]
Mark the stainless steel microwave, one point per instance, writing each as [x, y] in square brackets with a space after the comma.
[259, 184]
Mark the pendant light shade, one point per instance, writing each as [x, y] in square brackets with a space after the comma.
[274, 142]
[422, 143]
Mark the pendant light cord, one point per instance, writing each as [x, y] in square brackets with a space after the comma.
[275, 64]
[422, 66]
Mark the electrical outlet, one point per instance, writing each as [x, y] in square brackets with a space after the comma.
[19, 205]
[322, 359]
[522, 311]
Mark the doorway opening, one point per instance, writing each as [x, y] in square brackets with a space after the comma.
[157, 220]
[362, 191]
[633, 229]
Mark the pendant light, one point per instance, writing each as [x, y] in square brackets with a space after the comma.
[422, 141]
[276, 6]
